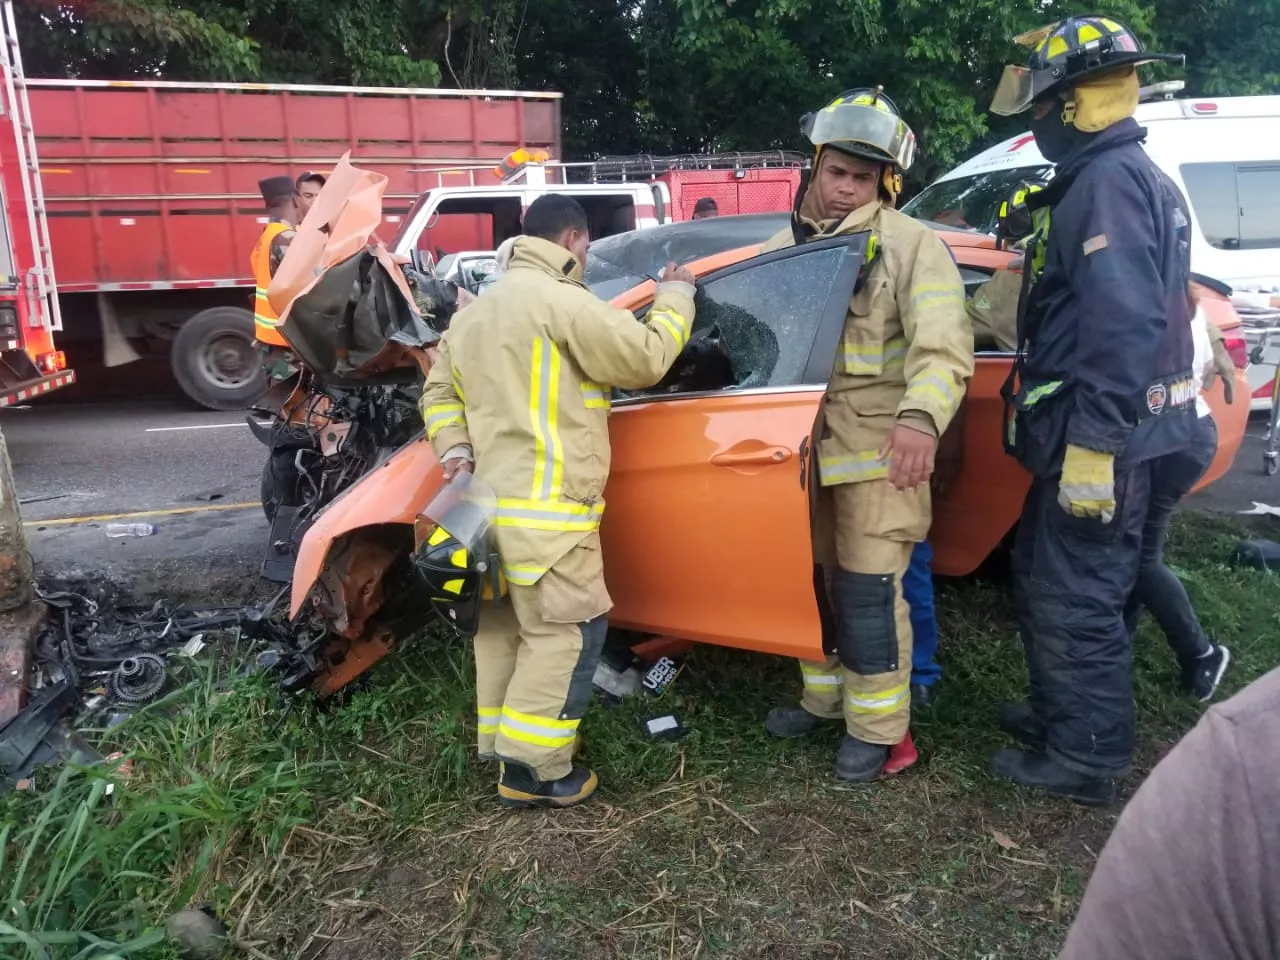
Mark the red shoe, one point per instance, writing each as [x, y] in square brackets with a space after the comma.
[901, 756]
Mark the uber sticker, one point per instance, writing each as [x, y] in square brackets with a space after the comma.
[1094, 244]
[1156, 397]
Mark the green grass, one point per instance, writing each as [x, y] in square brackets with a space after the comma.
[365, 829]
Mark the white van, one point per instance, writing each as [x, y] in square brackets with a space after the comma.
[1224, 152]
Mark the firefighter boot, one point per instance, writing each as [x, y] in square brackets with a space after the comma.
[1040, 772]
[859, 761]
[1019, 720]
[793, 721]
[518, 786]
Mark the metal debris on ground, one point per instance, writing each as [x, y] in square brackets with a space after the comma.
[116, 530]
[665, 727]
[137, 679]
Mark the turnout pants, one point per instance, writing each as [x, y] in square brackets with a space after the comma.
[536, 654]
[1072, 577]
[868, 680]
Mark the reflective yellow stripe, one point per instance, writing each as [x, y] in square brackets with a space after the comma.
[937, 386]
[851, 469]
[521, 574]
[1036, 394]
[932, 295]
[487, 719]
[544, 402]
[540, 731]
[538, 515]
[457, 382]
[595, 396]
[441, 415]
[869, 359]
[879, 701]
[820, 678]
[674, 324]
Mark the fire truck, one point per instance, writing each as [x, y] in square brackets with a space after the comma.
[617, 193]
[30, 365]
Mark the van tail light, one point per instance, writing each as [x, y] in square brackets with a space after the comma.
[1239, 353]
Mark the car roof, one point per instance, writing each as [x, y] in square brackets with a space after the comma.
[647, 251]
[982, 252]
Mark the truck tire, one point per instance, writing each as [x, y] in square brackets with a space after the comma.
[216, 361]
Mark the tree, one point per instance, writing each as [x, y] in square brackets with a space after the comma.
[656, 76]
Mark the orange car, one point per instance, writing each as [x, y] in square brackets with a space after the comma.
[707, 532]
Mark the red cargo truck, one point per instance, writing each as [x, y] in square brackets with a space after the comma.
[153, 205]
[29, 364]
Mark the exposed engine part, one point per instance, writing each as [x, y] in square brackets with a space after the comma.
[138, 679]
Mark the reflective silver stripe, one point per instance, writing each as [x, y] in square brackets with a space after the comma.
[931, 295]
[884, 701]
[937, 386]
[524, 575]
[443, 415]
[543, 402]
[595, 396]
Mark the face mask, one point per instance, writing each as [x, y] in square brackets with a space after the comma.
[1054, 138]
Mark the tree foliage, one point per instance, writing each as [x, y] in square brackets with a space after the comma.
[654, 76]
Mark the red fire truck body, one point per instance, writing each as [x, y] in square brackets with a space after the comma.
[30, 365]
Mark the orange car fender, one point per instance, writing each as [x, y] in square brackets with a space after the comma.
[395, 492]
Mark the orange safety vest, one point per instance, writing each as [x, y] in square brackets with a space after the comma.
[266, 321]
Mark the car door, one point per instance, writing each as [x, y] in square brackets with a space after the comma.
[707, 532]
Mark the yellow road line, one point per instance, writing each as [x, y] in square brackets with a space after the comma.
[176, 511]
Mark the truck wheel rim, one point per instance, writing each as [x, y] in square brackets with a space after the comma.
[228, 361]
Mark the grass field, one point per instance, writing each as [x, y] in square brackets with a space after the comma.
[366, 830]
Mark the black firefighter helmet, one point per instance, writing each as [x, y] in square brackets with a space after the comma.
[455, 562]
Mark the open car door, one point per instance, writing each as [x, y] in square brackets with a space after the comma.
[707, 531]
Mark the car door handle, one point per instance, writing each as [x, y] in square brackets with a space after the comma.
[745, 455]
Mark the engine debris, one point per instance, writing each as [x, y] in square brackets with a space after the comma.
[138, 679]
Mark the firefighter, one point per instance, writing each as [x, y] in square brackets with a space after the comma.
[1101, 390]
[281, 198]
[905, 361]
[520, 393]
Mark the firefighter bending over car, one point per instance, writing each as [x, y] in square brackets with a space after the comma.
[905, 361]
[520, 393]
[1101, 392]
[281, 198]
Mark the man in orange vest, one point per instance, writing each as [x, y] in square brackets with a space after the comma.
[280, 195]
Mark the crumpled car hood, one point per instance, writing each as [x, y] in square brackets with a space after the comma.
[344, 304]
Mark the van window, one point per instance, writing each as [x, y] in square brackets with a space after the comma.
[970, 202]
[1237, 204]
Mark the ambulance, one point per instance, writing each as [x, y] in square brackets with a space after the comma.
[1223, 152]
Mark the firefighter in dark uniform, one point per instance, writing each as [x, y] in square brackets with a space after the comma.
[1102, 388]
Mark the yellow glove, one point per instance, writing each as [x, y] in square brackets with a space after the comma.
[1088, 486]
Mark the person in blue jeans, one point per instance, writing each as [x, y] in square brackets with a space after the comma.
[917, 590]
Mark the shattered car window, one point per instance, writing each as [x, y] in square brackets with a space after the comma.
[767, 315]
[617, 263]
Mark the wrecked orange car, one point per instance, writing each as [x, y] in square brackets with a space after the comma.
[727, 462]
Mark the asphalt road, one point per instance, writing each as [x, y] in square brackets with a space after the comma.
[194, 475]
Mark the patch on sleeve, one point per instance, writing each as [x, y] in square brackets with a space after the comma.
[1094, 244]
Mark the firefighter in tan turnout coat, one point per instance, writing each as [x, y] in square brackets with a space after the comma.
[905, 361]
[520, 392]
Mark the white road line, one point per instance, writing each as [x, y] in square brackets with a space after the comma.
[204, 426]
